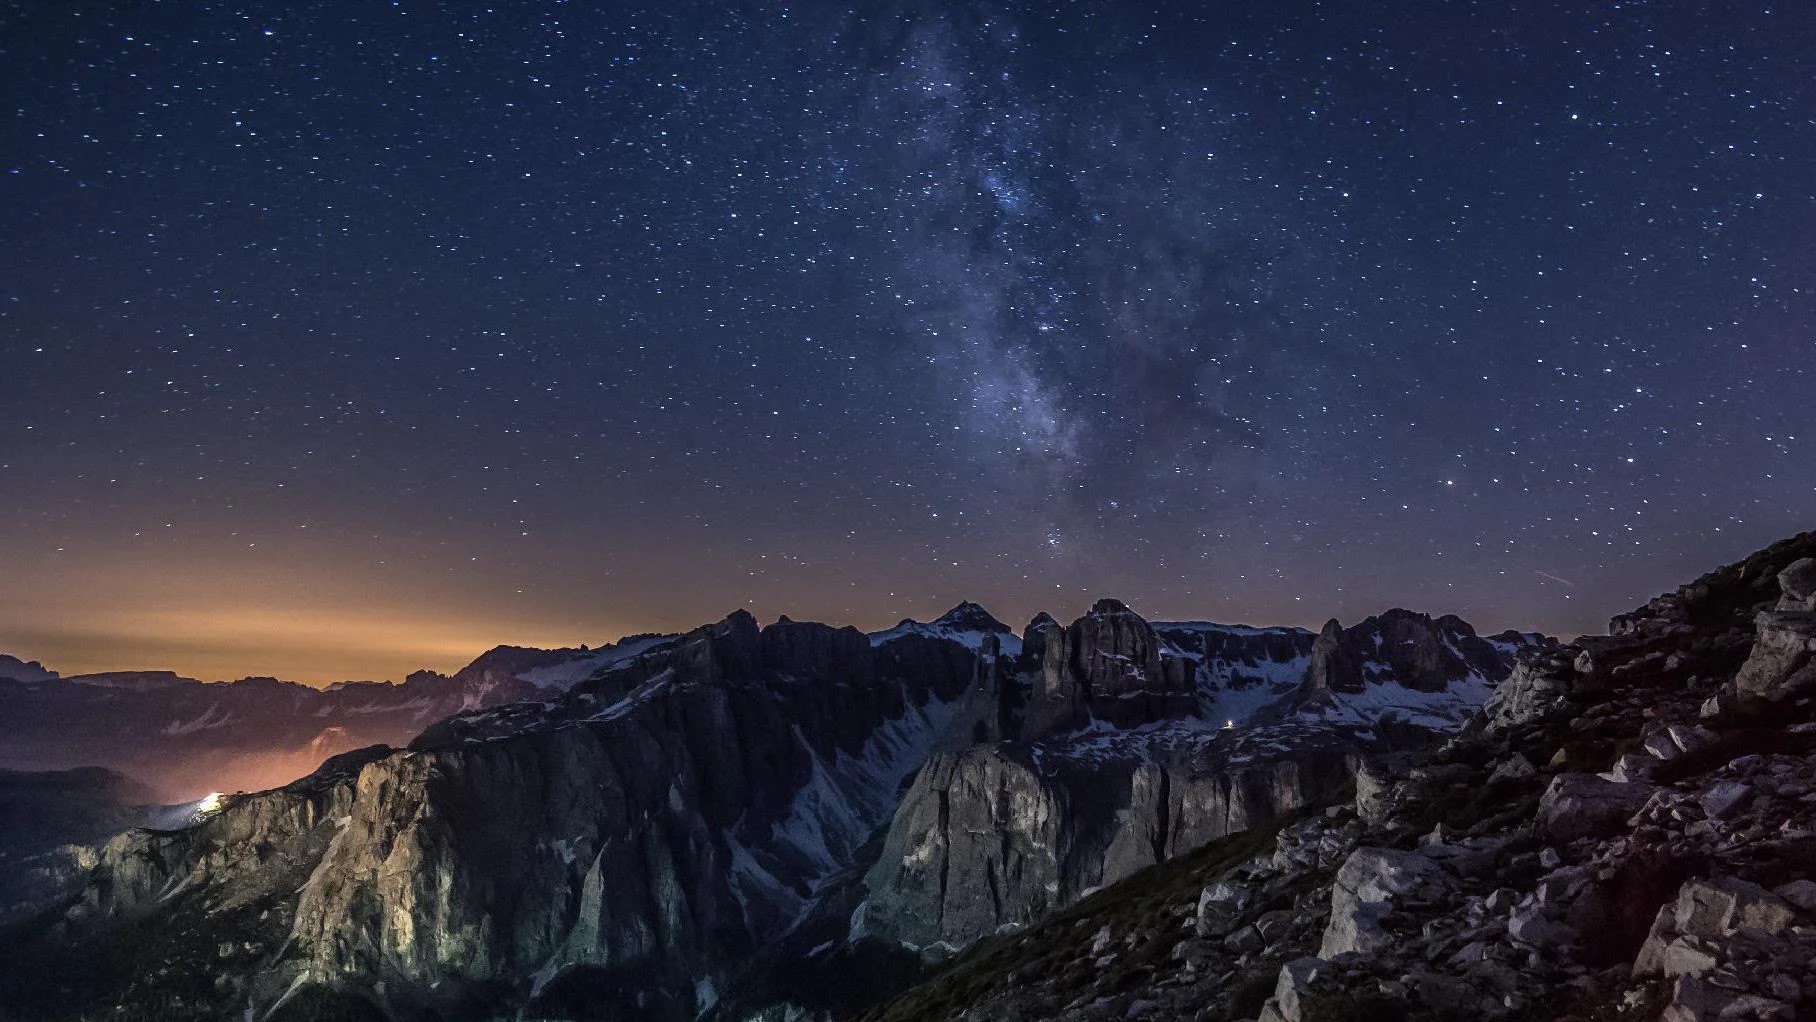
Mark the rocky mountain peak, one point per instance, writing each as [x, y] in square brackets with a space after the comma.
[1110, 606]
[1108, 665]
[970, 617]
[1334, 667]
[24, 670]
[1411, 648]
[729, 647]
[1113, 649]
[817, 650]
[1455, 625]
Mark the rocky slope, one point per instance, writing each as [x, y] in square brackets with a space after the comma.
[1628, 830]
[186, 738]
[695, 824]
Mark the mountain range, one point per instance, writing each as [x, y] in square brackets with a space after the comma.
[743, 821]
[186, 738]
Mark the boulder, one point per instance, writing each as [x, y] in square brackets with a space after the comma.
[1716, 908]
[1586, 805]
[1651, 958]
[1296, 980]
[1661, 745]
[1244, 941]
[1780, 665]
[1797, 585]
[1368, 886]
[1533, 926]
[1633, 766]
[1707, 910]
[1375, 788]
[1725, 799]
[1801, 893]
[1682, 958]
[1534, 690]
[1694, 1000]
[1220, 907]
[1514, 768]
[1689, 737]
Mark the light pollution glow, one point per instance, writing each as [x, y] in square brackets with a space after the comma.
[300, 623]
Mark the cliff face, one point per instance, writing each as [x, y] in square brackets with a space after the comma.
[993, 839]
[628, 858]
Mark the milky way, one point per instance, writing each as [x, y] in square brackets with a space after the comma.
[401, 331]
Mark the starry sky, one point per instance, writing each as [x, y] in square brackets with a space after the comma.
[342, 338]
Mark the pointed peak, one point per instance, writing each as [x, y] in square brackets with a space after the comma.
[970, 617]
[1455, 625]
[1041, 622]
[1333, 628]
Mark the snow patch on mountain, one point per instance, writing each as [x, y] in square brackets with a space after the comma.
[972, 639]
[966, 624]
[214, 716]
[845, 800]
[587, 665]
[1388, 699]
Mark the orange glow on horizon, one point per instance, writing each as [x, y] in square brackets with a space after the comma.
[308, 624]
[316, 646]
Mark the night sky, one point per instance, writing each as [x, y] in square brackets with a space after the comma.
[342, 338]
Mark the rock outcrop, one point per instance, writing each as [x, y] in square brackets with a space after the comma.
[1782, 665]
[1367, 887]
[1109, 665]
[1334, 668]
